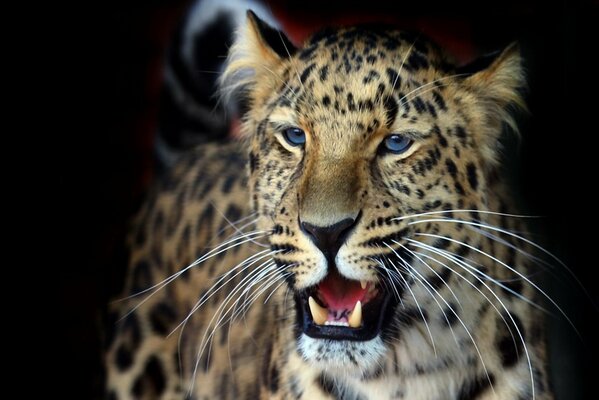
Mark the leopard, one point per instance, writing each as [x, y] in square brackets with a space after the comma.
[358, 240]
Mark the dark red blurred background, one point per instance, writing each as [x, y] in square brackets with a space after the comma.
[115, 51]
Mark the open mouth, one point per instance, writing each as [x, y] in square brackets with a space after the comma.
[342, 309]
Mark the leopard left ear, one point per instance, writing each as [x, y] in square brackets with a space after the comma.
[496, 85]
[497, 77]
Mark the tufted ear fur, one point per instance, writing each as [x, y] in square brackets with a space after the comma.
[254, 57]
[496, 82]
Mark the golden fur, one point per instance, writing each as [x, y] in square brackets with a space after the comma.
[471, 335]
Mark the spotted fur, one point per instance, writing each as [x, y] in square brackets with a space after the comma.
[465, 326]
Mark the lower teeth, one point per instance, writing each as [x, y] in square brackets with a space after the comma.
[337, 323]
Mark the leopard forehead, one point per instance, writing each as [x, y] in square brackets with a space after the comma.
[357, 81]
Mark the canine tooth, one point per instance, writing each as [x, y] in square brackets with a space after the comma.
[363, 284]
[355, 318]
[319, 314]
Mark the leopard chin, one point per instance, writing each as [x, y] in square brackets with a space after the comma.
[342, 357]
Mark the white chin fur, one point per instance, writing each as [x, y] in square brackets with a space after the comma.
[342, 357]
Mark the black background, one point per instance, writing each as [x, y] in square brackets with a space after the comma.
[113, 53]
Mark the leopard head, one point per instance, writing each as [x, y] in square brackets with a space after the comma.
[350, 138]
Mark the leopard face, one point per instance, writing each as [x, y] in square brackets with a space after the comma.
[360, 143]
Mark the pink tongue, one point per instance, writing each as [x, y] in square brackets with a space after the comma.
[339, 293]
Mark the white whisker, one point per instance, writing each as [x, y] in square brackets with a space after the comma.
[234, 224]
[266, 279]
[504, 242]
[429, 267]
[282, 81]
[464, 279]
[519, 237]
[218, 316]
[160, 285]
[489, 278]
[422, 280]
[278, 286]
[289, 54]
[388, 272]
[403, 63]
[462, 264]
[421, 87]
[457, 211]
[193, 264]
[416, 301]
[264, 282]
[207, 296]
[218, 285]
[534, 285]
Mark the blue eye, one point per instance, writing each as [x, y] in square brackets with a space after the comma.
[294, 136]
[396, 144]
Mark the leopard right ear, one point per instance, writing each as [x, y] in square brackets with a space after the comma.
[257, 51]
[269, 38]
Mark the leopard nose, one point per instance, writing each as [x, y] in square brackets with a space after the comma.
[330, 238]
